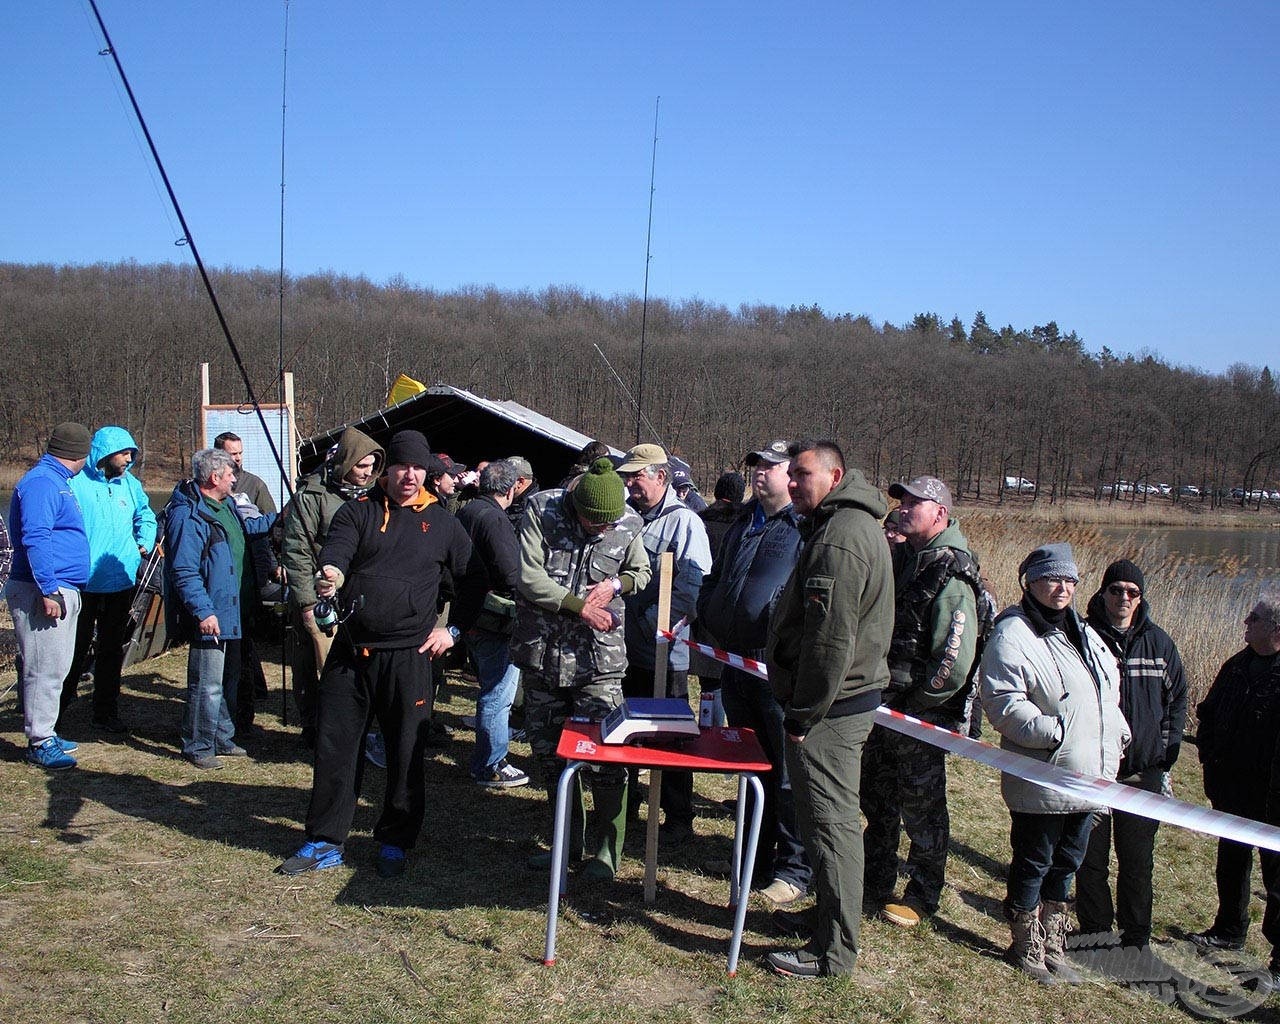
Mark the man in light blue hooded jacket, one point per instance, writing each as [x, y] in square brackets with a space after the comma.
[122, 531]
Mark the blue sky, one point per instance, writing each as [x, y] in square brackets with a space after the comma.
[1109, 166]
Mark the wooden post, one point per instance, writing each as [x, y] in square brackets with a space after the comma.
[666, 569]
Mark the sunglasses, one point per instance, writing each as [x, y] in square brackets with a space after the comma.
[1132, 593]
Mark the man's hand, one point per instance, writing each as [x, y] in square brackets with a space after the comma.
[53, 608]
[600, 595]
[598, 618]
[209, 626]
[437, 642]
[328, 580]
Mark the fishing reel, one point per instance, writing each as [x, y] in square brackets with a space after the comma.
[329, 617]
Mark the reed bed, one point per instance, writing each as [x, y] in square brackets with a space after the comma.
[1200, 603]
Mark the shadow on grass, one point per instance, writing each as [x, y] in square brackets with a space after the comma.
[978, 860]
[214, 809]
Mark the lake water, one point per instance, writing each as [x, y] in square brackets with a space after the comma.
[1259, 549]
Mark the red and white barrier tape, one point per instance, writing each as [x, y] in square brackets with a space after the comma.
[1084, 787]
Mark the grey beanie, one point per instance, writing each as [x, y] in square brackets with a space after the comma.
[70, 441]
[1050, 560]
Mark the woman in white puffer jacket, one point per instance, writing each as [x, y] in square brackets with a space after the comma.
[1051, 687]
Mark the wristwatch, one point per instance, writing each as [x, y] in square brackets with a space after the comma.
[617, 586]
[454, 632]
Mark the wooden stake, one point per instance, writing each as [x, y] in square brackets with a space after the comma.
[666, 570]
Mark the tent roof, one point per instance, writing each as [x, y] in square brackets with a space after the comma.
[469, 428]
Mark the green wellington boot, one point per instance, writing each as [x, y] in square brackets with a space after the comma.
[609, 831]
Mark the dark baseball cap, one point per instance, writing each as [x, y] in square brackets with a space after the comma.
[926, 488]
[773, 452]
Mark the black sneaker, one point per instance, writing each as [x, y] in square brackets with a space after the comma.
[391, 861]
[792, 924]
[504, 775]
[1209, 939]
[111, 724]
[795, 963]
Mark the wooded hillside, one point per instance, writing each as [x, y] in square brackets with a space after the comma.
[122, 343]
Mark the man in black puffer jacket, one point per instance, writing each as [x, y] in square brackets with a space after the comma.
[1153, 698]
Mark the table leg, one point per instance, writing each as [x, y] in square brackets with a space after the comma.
[735, 861]
[559, 855]
[748, 864]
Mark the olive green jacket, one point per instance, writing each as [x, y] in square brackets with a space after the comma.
[829, 634]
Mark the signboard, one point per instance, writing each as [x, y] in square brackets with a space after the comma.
[242, 420]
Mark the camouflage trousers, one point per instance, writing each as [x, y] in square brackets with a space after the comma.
[904, 785]
[546, 708]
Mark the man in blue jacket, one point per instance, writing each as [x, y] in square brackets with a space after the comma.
[122, 531]
[208, 580]
[50, 565]
[753, 565]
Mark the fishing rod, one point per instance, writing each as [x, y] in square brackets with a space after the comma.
[648, 242]
[284, 106]
[626, 392]
[188, 240]
[285, 620]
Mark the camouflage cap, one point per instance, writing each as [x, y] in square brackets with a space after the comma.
[523, 469]
[926, 488]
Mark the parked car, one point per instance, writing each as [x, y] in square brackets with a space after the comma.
[1189, 491]
[1020, 484]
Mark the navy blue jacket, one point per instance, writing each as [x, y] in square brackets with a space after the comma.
[748, 574]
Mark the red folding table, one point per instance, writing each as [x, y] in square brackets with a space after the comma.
[722, 750]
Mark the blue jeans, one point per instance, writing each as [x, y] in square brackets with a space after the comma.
[213, 673]
[1048, 850]
[498, 680]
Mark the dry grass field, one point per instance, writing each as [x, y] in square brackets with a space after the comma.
[136, 888]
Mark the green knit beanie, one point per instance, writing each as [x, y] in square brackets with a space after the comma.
[600, 496]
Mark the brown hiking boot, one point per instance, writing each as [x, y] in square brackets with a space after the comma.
[1056, 919]
[1027, 951]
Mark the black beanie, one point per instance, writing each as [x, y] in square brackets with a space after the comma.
[1123, 571]
[730, 487]
[409, 448]
[70, 441]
